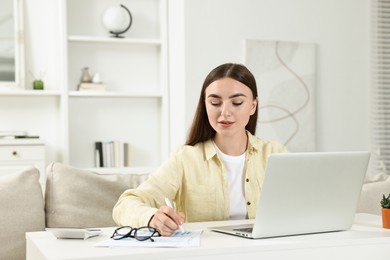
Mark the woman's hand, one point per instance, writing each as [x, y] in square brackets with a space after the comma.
[167, 220]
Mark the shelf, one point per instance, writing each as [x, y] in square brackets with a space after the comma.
[96, 39]
[30, 92]
[114, 94]
[134, 106]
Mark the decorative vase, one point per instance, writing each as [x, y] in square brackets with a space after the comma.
[85, 76]
[386, 218]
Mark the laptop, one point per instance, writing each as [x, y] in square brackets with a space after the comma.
[305, 193]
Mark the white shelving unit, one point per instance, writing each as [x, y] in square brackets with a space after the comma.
[133, 109]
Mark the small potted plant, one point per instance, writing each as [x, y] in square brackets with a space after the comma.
[385, 203]
[38, 83]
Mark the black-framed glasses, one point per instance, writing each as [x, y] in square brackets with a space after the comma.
[141, 234]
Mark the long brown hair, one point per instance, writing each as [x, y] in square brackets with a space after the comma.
[201, 129]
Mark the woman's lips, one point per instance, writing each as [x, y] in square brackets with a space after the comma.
[225, 123]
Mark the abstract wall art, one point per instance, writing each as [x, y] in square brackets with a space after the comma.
[285, 76]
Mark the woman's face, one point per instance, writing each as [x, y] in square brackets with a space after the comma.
[229, 105]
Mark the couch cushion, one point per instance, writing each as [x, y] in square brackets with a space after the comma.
[22, 210]
[82, 198]
[375, 185]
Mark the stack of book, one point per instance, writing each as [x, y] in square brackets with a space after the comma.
[112, 154]
[90, 86]
[16, 135]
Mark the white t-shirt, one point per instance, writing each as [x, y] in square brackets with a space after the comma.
[234, 166]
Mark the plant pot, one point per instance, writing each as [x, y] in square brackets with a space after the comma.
[386, 218]
[38, 84]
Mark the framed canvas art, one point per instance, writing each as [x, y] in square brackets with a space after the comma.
[285, 76]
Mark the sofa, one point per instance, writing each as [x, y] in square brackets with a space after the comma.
[73, 198]
[82, 198]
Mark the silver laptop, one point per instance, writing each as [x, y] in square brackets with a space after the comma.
[306, 193]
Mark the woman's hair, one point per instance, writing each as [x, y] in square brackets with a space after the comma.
[201, 129]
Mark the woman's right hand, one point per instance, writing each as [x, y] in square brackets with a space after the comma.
[167, 220]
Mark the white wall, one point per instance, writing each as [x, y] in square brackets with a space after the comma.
[207, 33]
[215, 31]
[42, 41]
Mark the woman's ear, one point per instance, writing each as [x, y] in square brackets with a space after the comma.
[254, 105]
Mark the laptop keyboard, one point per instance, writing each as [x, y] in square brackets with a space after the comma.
[248, 230]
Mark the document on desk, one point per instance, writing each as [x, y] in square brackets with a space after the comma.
[178, 239]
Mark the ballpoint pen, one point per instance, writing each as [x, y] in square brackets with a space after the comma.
[169, 204]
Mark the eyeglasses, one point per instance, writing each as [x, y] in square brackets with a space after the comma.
[141, 234]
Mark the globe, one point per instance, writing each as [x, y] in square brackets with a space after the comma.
[117, 19]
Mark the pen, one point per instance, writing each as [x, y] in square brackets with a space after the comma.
[169, 204]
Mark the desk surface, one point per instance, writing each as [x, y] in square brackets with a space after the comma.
[366, 240]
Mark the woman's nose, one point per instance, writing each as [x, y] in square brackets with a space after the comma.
[225, 110]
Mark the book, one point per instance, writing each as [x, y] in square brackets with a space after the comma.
[98, 154]
[117, 162]
[106, 154]
[20, 137]
[126, 154]
[112, 154]
[13, 133]
[89, 86]
[17, 135]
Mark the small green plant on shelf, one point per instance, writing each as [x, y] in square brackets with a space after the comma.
[38, 83]
[385, 202]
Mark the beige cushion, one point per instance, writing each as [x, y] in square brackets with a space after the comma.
[22, 210]
[82, 198]
[374, 187]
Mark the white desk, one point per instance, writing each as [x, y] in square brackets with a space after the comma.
[366, 240]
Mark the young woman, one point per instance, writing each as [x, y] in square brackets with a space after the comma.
[219, 172]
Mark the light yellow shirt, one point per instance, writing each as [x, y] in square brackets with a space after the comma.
[195, 178]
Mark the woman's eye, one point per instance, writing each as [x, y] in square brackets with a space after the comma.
[215, 102]
[238, 103]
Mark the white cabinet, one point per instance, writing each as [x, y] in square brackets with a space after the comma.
[20, 153]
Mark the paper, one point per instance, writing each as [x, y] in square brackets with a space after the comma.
[178, 239]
